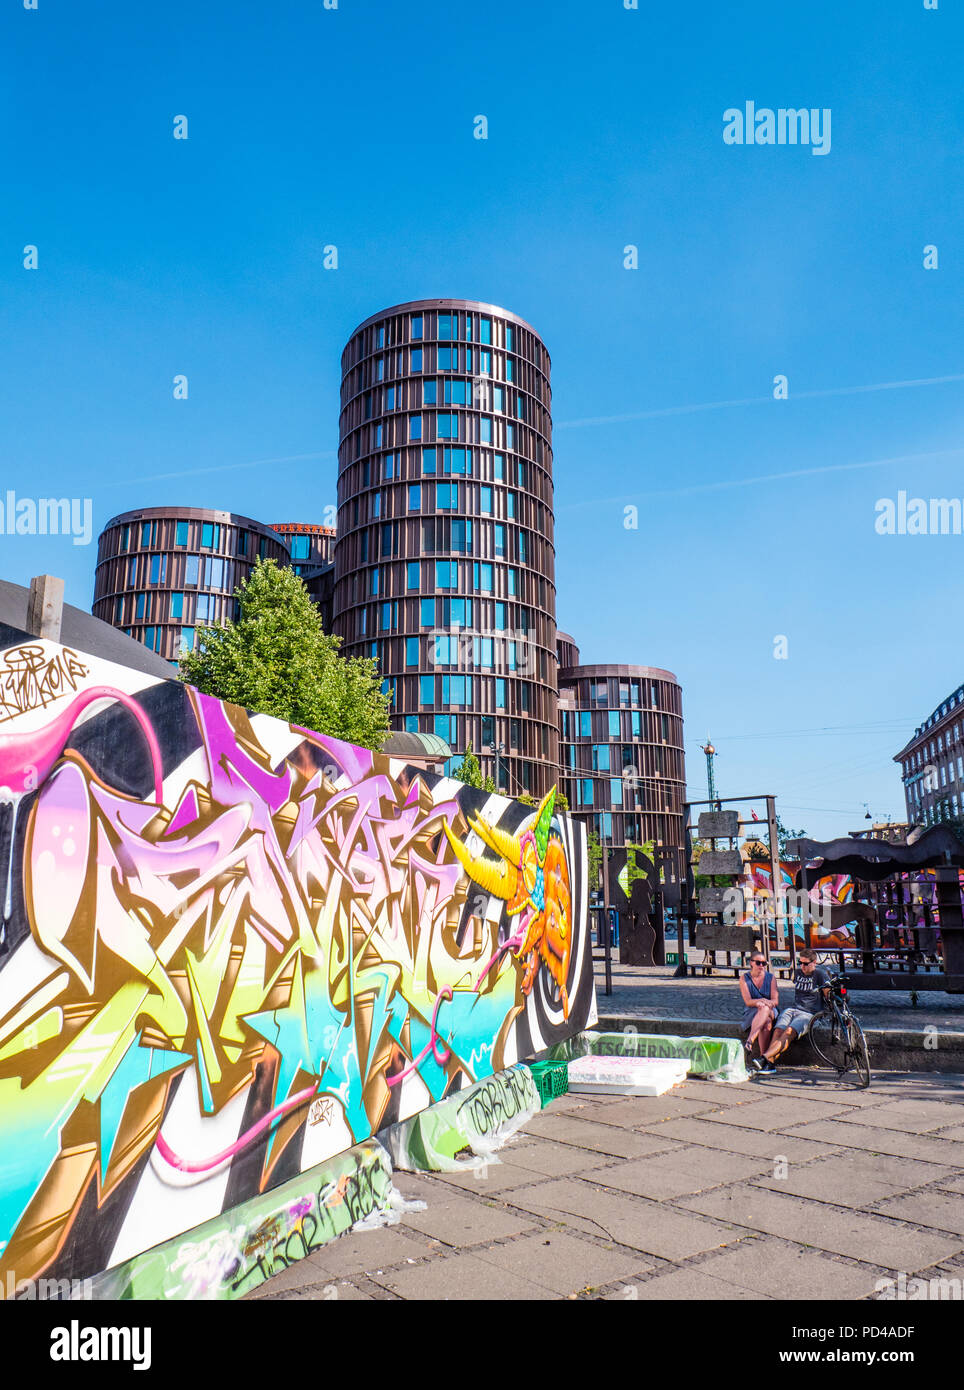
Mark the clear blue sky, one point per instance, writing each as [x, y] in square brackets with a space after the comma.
[354, 127]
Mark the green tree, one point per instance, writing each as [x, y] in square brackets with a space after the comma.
[469, 771]
[276, 659]
[595, 859]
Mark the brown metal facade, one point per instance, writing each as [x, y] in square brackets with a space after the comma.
[621, 747]
[444, 558]
[164, 571]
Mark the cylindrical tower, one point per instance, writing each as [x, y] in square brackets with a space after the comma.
[622, 753]
[444, 559]
[163, 571]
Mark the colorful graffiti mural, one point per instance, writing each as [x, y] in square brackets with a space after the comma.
[233, 948]
[810, 928]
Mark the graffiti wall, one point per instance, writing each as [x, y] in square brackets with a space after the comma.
[232, 949]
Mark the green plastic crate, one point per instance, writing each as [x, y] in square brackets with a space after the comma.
[552, 1079]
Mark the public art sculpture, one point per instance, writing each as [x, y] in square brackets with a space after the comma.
[234, 948]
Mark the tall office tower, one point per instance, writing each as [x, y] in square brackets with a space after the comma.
[444, 559]
[161, 571]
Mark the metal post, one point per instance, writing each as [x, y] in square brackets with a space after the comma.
[605, 875]
[777, 895]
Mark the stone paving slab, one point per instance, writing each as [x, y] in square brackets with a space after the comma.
[554, 1160]
[601, 1138]
[884, 1141]
[493, 1177]
[752, 1142]
[639, 1111]
[860, 1236]
[359, 1252]
[459, 1277]
[455, 1220]
[643, 1225]
[691, 1284]
[679, 1173]
[781, 1270]
[562, 1262]
[775, 1112]
[942, 1211]
[911, 1116]
[855, 1179]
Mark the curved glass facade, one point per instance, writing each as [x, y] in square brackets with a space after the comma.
[163, 571]
[444, 558]
[621, 746]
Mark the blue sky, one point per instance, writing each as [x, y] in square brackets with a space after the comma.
[354, 127]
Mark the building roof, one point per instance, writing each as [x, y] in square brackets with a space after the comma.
[84, 633]
[400, 744]
[478, 306]
[572, 673]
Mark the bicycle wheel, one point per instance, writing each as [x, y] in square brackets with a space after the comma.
[858, 1058]
[829, 1041]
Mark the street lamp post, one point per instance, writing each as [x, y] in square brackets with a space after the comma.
[498, 749]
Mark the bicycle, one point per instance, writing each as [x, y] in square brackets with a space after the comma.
[837, 1037]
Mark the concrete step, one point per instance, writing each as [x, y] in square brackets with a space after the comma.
[928, 1048]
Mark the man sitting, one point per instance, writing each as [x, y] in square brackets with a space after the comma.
[811, 987]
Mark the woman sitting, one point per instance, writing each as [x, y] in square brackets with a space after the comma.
[762, 999]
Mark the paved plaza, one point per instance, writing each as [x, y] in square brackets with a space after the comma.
[652, 992]
[788, 1186]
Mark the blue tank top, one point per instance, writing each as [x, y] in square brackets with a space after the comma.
[759, 991]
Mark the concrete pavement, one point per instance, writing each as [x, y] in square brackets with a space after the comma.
[789, 1186]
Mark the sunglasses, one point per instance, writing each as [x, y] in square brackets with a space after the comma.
[758, 962]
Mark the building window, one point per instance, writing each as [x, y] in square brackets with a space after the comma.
[145, 534]
[485, 330]
[447, 426]
[485, 429]
[427, 612]
[414, 427]
[207, 535]
[416, 326]
[430, 392]
[447, 496]
[499, 540]
[416, 359]
[139, 609]
[500, 693]
[462, 536]
[428, 460]
[411, 651]
[448, 326]
[125, 539]
[413, 574]
[485, 499]
[457, 461]
[512, 581]
[177, 605]
[446, 574]
[426, 690]
[213, 573]
[600, 757]
[158, 569]
[498, 467]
